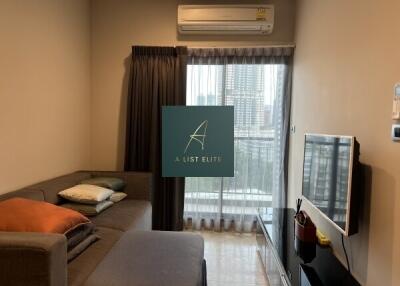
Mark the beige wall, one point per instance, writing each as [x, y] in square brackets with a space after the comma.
[44, 89]
[117, 25]
[346, 63]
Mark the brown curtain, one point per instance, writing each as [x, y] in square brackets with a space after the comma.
[158, 78]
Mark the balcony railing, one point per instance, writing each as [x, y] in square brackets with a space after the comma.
[243, 194]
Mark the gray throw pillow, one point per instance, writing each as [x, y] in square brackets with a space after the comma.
[117, 196]
[112, 183]
[89, 210]
[77, 235]
[79, 248]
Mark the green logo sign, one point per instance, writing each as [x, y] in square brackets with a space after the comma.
[197, 141]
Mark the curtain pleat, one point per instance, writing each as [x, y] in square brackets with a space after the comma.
[158, 78]
[258, 55]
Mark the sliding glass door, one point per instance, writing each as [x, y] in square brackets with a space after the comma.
[256, 92]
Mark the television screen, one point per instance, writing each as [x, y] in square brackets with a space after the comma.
[327, 174]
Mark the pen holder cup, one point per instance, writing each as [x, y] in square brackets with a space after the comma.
[305, 233]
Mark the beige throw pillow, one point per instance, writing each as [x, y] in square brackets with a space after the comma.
[86, 194]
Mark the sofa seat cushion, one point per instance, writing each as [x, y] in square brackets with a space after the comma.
[82, 266]
[126, 215]
[152, 258]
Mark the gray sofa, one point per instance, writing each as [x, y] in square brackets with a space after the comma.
[128, 253]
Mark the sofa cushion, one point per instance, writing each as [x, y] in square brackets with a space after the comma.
[152, 258]
[51, 188]
[82, 266]
[126, 215]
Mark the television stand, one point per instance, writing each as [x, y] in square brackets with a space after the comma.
[276, 248]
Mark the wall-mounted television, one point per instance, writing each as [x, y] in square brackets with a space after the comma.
[330, 179]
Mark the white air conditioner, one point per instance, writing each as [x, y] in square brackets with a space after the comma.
[225, 19]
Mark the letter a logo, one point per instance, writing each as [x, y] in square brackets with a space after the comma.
[199, 135]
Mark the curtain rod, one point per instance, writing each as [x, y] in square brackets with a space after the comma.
[238, 47]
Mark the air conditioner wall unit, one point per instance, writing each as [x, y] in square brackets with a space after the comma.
[225, 19]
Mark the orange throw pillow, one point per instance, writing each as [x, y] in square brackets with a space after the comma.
[23, 215]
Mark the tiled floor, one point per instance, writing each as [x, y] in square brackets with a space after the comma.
[232, 260]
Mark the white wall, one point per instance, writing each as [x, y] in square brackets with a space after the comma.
[44, 90]
[347, 61]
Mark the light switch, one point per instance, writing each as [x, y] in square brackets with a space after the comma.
[396, 132]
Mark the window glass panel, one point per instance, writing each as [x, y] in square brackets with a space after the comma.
[255, 90]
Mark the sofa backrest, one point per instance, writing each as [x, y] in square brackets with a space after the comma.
[48, 190]
[36, 195]
[52, 187]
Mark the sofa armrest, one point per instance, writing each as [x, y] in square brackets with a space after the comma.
[33, 259]
[138, 184]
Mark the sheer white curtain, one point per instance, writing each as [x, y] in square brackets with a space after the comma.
[256, 90]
